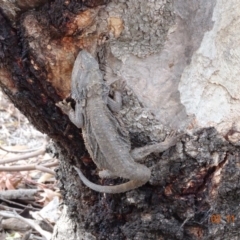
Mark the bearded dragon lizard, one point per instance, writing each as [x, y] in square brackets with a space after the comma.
[106, 140]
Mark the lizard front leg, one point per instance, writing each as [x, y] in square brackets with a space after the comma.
[115, 104]
[75, 116]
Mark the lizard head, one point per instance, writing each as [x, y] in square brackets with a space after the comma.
[85, 73]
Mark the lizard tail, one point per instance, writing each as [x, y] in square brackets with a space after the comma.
[110, 189]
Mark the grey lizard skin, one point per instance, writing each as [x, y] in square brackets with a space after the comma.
[105, 138]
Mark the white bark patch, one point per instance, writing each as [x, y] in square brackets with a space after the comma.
[153, 69]
[210, 86]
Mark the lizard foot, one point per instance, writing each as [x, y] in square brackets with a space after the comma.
[64, 106]
[119, 85]
[172, 139]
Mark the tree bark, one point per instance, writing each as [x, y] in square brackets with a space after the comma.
[179, 59]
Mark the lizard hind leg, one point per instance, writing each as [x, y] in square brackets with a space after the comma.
[106, 174]
[110, 189]
[138, 154]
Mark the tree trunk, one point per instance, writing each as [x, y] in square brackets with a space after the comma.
[180, 61]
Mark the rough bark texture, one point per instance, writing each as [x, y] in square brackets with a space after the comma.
[194, 189]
